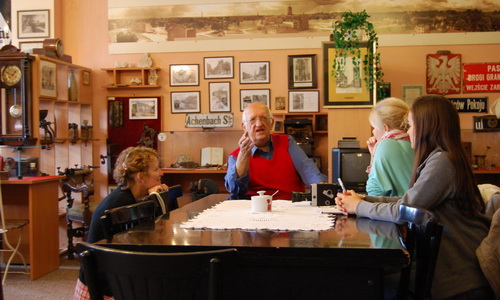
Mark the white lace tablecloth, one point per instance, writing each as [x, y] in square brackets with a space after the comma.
[285, 216]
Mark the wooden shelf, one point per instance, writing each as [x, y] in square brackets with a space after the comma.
[319, 121]
[121, 75]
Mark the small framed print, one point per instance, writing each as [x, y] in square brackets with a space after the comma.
[303, 101]
[30, 45]
[279, 103]
[220, 96]
[250, 96]
[219, 67]
[33, 24]
[85, 77]
[184, 75]
[185, 102]
[254, 72]
[48, 79]
[143, 108]
[302, 73]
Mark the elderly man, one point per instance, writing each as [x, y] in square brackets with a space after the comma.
[265, 161]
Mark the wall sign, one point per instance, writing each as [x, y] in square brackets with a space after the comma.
[209, 120]
[482, 78]
[474, 105]
[443, 73]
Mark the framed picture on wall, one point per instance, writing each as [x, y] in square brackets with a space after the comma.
[85, 77]
[28, 45]
[348, 88]
[250, 96]
[184, 75]
[185, 102]
[254, 72]
[143, 108]
[303, 101]
[219, 67]
[220, 96]
[33, 24]
[48, 79]
[302, 73]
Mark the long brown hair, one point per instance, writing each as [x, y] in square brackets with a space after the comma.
[437, 125]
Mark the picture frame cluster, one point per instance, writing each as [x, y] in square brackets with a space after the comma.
[220, 72]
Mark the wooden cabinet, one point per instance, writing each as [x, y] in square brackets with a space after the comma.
[319, 121]
[62, 98]
[121, 77]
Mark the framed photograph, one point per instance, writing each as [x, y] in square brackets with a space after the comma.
[303, 101]
[85, 77]
[219, 67]
[143, 108]
[220, 96]
[33, 24]
[279, 103]
[411, 92]
[348, 89]
[185, 102]
[249, 96]
[302, 71]
[29, 45]
[183, 75]
[254, 72]
[48, 79]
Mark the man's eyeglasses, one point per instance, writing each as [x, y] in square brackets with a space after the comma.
[261, 118]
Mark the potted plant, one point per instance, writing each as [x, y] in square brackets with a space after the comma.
[348, 38]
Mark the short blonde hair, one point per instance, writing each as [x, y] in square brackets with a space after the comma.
[392, 112]
[130, 162]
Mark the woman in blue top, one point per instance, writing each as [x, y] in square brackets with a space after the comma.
[392, 155]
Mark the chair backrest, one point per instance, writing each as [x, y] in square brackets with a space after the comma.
[122, 218]
[151, 275]
[86, 192]
[422, 240]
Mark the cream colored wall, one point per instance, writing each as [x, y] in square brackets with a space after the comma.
[84, 32]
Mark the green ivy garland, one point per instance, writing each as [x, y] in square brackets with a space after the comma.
[347, 38]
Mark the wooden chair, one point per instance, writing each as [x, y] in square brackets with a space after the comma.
[5, 245]
[422, 237]
[123, 218]
[150, 275]
[81, 213]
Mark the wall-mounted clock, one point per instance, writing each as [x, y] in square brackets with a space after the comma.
[15, 97]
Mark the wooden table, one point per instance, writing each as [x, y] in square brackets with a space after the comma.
[340, 262]
[36, 199]
[487, 176]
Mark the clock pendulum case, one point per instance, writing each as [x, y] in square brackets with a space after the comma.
[15, 97]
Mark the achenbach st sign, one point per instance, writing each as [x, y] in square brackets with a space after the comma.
[209, 120]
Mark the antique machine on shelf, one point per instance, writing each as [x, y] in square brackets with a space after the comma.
[15, 97]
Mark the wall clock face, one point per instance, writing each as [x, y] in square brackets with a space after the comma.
[11, 75]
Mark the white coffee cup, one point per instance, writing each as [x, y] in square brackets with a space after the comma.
[262, 203]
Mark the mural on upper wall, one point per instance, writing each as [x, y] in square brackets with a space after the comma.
[168, 27]
[5, 23]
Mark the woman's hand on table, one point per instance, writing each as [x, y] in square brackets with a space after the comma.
[347, 201]
[158, 188]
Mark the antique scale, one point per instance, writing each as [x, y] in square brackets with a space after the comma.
[15, 97]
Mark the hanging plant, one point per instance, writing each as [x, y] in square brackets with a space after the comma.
[347, 37]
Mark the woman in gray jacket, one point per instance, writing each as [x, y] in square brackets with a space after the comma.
[442, 182]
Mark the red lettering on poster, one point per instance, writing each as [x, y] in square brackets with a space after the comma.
[482, 78]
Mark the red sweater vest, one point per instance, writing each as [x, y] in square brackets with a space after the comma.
[276, 174]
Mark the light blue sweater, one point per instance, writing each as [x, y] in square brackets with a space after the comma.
[391, 168]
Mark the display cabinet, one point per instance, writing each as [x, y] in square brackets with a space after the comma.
[61, 105]
[122, 77]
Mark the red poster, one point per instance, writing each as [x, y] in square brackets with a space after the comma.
[443, 73]
[482, 78]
